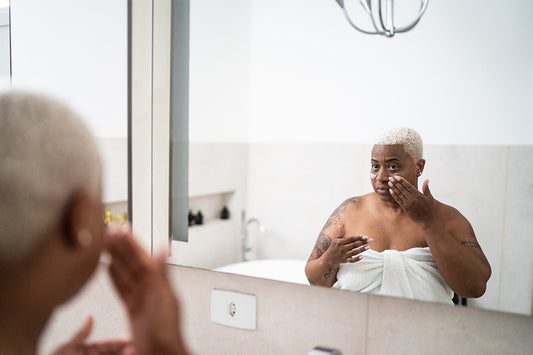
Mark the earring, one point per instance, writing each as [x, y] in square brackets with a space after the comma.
[419, 173]
[85, 238]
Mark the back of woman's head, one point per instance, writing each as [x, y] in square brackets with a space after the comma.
[47, 154]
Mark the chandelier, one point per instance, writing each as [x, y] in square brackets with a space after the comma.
[384, 25]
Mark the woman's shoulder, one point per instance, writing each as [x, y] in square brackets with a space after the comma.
[357, 201]
[357, 204]
[449, 214]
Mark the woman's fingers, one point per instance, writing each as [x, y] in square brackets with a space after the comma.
[352, 250]
[357, 250]
[396, 193]
[402, 191]
[84, 332]
[120, 279]
[354, 239]
[130, 267]
[397, 196]
[353, 255]
[107, 347]
[127, 255]
[355, 242]
[403, 185]
[354, 259]
[425, 189]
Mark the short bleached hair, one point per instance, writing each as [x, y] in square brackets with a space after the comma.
[408, 137]
[46, 154]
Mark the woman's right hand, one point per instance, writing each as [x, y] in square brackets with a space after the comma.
[144, 286]
[328, 253]
[344, 249]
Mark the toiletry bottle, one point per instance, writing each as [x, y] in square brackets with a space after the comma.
[199, 218]
[224, 214]
[192, 218]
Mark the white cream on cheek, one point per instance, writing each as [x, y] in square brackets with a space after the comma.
[373, 176]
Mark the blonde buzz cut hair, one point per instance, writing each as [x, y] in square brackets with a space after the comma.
[408, 137]
[47, 155]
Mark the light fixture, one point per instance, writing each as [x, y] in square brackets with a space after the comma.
[385, 13]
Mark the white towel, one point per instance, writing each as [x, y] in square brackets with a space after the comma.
[409, 274]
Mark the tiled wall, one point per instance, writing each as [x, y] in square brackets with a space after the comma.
[292, 319]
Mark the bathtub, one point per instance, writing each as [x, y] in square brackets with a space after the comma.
[288, 270]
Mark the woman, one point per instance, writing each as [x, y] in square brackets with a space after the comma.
[52, 234]
[397, 241]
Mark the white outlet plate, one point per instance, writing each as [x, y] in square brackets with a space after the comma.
[234, 309]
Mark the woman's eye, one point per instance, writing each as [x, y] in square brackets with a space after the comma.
[375, 167]
[393, 167]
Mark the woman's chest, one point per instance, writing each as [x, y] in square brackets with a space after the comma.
[387, 233]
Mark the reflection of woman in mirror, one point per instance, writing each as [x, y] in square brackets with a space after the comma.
[52, 234]
[397, 241]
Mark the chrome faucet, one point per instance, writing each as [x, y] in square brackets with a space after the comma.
[244, 233]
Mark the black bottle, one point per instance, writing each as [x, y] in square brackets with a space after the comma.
[224, 214]
[191, 217]
[199, 218]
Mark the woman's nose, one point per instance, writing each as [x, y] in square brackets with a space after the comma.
[382, 175]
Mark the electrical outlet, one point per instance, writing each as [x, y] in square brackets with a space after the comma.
[233, 309]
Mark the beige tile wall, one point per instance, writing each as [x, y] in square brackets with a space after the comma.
[292, 319]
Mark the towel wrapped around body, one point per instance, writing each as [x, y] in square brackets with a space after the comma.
[409, 274]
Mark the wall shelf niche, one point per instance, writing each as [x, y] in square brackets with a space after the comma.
[211, 205]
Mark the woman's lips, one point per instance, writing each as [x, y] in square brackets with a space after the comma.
[382, 190]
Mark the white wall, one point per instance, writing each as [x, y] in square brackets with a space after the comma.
[462, 76]
[79, 54]
[219, 71]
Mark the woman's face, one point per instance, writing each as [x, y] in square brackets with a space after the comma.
[388, 160]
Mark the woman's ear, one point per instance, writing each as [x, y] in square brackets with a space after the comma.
[420, 166]
[76, 221]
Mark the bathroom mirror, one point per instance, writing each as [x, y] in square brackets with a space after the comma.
[285, 99]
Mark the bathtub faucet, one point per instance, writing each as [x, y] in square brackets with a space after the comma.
[244, 233]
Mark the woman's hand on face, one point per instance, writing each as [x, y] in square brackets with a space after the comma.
[143, 285]
[344, 249]
[419, 206]
[78, 345]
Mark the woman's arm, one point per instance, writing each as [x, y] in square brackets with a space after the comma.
[332, 248]
[458, 255]
[450, 238]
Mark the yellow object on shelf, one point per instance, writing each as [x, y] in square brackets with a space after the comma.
[109, 217]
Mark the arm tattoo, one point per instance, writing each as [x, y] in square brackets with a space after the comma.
[471, 244]
[322, 244]
[328, 274]
[339, 211]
